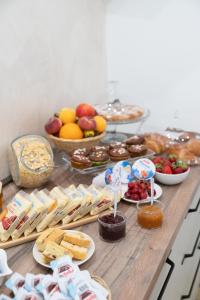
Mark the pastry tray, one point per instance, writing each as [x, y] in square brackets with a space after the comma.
[98, 169]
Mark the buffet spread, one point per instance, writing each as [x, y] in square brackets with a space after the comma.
[123, 172]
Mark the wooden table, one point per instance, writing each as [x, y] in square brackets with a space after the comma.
[130, 267]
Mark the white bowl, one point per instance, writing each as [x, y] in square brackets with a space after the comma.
[171, 179]
[4, 269]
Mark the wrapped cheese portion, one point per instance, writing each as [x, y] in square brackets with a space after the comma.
[13, 215]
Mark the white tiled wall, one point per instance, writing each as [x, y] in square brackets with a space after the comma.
[51, 55]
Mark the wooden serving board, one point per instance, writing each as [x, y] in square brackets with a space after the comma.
[33, 236]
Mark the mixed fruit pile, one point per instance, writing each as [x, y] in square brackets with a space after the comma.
[81, 122]
[170, 165]
[138, 190]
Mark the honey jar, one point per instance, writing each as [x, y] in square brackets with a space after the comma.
[150, 216]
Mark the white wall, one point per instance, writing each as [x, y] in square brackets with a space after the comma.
[51, 55]
[153, 51]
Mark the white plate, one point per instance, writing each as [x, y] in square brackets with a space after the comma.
[39, 257]
[157, 188]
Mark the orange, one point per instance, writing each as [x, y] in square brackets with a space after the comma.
[71, 131]
[67, 115]
[100, 124]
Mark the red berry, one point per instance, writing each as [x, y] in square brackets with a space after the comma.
[135, 197]
[178, 170]
[167, 170]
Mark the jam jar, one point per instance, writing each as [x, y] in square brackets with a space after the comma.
[112, 228]
[150, 216]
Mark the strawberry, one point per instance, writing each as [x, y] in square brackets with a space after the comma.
[172, 158]
[178, 170]
[159, 168]
[167, 170]
[157, 160]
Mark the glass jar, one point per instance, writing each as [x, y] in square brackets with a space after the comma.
[31, 161]
[150, 216]
[112, 228]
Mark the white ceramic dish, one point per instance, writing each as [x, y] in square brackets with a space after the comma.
[39, 257]
[158, 194]
[171, 179]
[4, 269]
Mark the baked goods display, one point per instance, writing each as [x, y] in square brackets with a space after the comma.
[156, 142]
[96, 156]
[118, 112]
[54, 243]
[39, 210]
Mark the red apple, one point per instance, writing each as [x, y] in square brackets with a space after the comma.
[85, 110]
[53, 125]
[86, 123]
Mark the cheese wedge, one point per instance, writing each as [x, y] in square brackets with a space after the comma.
[51, 203]
[13, 215]
[53, 251]
[49, 235]
[78, 252]
[42, 211]
[76, 238]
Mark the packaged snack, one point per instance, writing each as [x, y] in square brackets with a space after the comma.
[64, 268]
[59, 296]
[23, 294]
[48, 287]
[4, 297]
[79, 287]
[88, 199]
[12, 215]
[58, 193]
[51, 204]
[74, 206]
[32, 281]
[41, 209]
[15, 282]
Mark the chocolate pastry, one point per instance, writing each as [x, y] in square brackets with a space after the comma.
[80, 161]
[137, 150]
[117, 145]
[100, 148]
[135, 140]
[81, 151]
[99, 157]
[119, 154]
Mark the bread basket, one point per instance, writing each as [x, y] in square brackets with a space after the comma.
[104, 284]
[69, 145]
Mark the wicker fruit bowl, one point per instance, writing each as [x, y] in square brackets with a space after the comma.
[70, 145]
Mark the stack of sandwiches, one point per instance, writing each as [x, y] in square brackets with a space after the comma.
[55, 243]
[44, 209]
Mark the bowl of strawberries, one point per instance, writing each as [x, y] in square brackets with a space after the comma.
[170, 170]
